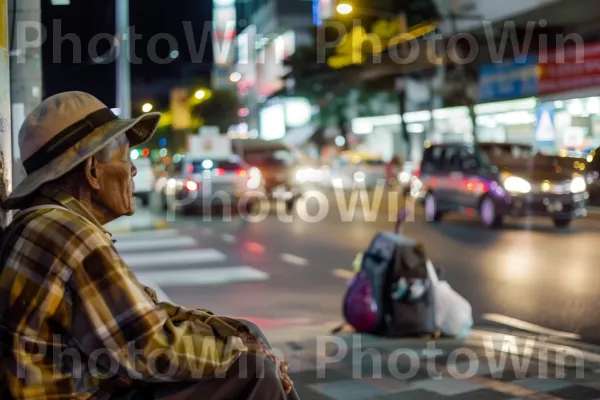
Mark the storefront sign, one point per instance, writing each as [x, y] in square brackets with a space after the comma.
[358, 45]
[509, 80]
[322, 10]
[545, 131]
[570, 69]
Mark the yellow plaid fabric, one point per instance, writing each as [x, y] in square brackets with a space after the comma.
[76, 323]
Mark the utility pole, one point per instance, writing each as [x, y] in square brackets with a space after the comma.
[123, 66]
[25, 70]
[5, 131]
[468, 99]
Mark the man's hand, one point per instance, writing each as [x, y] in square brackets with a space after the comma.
[257, 346]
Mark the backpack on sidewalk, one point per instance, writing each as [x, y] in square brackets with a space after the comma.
[392, 293]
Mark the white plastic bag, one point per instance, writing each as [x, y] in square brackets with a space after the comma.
[453, 314]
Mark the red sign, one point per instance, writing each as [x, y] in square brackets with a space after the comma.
[571, 68]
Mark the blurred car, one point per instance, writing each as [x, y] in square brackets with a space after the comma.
[283, 176]
[585, 163]
[355, 167]
[212, 181]
[144, 179]
[496, 180]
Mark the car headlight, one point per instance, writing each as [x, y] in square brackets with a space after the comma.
[255, 172]
[302, 175]
[359, 176]
[404, 177]
[578, 185]
[254, 178]
[514, 184]
[306, 175]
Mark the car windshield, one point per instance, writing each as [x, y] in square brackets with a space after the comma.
[373, 163]
[267, 158]
[199, 166]
[508, 152]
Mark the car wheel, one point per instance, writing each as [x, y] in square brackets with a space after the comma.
[247, 208]
[562, 222]
[289, 206]
[432, 213]
[488, 213]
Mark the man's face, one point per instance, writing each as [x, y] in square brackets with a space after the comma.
[115, 176]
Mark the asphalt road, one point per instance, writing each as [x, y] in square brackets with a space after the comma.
[294, 273]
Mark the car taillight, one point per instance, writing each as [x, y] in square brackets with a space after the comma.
[191, 185]
[417, 173]
[190, 169]
[219, 171]
[241, 172]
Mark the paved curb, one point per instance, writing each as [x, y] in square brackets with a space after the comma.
[593, 213]
[534, 367]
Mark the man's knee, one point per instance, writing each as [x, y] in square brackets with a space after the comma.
[256, 367]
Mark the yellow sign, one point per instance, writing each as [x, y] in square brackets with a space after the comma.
[181, 117]
[384, 35]
[4, 24]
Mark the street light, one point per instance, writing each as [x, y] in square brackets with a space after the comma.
[344, 8]
[147, 107]
[200, 94]
[123, 66]
[235, 77]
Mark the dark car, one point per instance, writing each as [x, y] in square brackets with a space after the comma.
[589, 167]
[495, 180]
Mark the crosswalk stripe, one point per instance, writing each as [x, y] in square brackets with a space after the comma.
[169, 258]
[156, 243]
[203, 276]
[145, 233]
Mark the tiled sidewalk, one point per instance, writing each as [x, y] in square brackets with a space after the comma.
[332, 368]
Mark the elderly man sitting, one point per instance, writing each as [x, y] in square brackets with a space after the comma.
[75, 321]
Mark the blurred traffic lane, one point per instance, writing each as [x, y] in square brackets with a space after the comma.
[528, 270]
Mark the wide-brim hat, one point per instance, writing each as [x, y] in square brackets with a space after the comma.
[65, 130]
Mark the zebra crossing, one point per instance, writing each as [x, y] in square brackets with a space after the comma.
[168, 258]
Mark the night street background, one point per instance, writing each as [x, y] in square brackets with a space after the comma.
[291, 277]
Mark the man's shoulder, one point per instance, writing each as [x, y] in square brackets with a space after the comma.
[71, 233]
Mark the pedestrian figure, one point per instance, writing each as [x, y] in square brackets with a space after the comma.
[75, 321]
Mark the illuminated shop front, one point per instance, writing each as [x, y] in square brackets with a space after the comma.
[577, 123]
[281, 117]
[507, 121]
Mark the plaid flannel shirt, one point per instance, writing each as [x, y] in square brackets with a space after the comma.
[77, 324]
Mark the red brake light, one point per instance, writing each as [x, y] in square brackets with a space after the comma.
[190, 169]
[191, 185]
[219, 171]
[241, 172]
[417, 172]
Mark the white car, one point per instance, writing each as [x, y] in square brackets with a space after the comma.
[352, 168]
[143, 180]
[219, 181]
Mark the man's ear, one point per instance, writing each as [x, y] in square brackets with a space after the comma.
[91, 172]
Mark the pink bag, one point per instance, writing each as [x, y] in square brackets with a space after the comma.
[360, 308]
